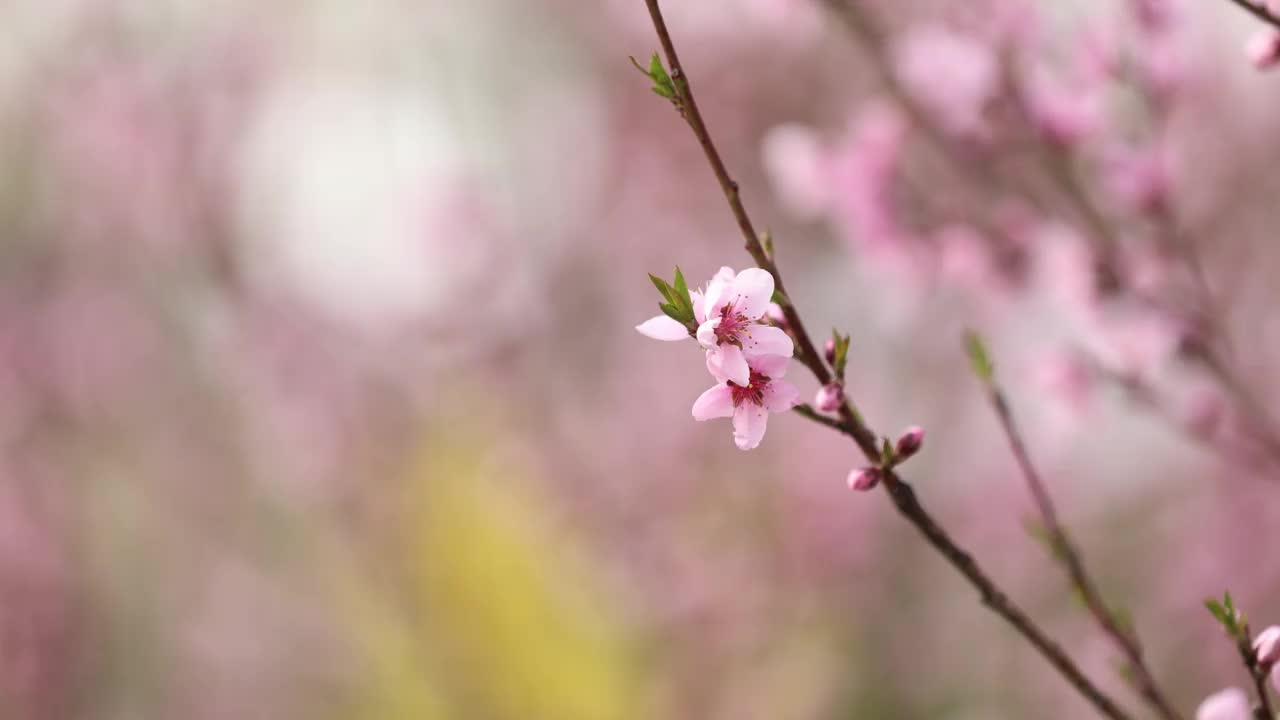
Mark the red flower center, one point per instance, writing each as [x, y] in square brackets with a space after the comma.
[753, 392]
[731, 324]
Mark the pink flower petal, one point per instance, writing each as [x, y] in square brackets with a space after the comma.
[726, 362]
[715, 291]
[771, 366]
[780, 396]
[749, 423]
[1229, 704]
[707, 333]
[751, 292]
[663, 328]
[766, 340]
[714, 403]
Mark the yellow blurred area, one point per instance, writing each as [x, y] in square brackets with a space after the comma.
[501, 620]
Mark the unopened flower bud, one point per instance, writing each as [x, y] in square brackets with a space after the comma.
[1266, 646]
[776, 316]
[1263, 49]
[829, 398]
[864, 479]
[909, 442]
[829, 351]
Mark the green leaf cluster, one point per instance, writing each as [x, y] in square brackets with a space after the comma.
[662, 84]
[675, 300]
[1231, 619]
[841, 356]
[979, 358]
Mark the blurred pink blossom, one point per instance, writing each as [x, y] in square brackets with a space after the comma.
[800, 174]
[953, 75]
[1263, 48]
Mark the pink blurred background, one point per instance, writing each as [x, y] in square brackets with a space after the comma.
[320, 395]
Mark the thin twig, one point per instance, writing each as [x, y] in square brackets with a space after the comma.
[1256, 673]
[851, 423]
[1063, 548]
[1259, 12]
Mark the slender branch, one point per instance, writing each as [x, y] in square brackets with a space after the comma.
[1259, 12]
[1063, 548]
[810, 414]
[1057, 164]
[902, 495]
[1245, 645]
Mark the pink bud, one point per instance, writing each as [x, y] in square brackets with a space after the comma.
[1266, 646]
[775, 315]
[1263, 49]
[829, 351]
[909, 442]
[864, 479]
[829, 398]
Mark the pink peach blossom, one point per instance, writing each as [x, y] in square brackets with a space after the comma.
[729, 326]
[749, 403]
[953, 75]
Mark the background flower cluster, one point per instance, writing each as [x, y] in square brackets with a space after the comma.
[321, 395]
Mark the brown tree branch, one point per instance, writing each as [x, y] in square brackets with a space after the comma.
[850, 423]
[1064, 549]
[1259, 12]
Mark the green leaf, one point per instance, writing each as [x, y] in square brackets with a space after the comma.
[841, 357]
[681, 287]
[766, 241]
[1126, 672]
[979, 358]
[658, 72]
[1218, 611]
[672, 312]
[780, 298]
[662, 286]
[661, 80]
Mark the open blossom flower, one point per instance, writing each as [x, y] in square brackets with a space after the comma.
[729, 326]
[1229, 704]
[730, 316]
[749, 403]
